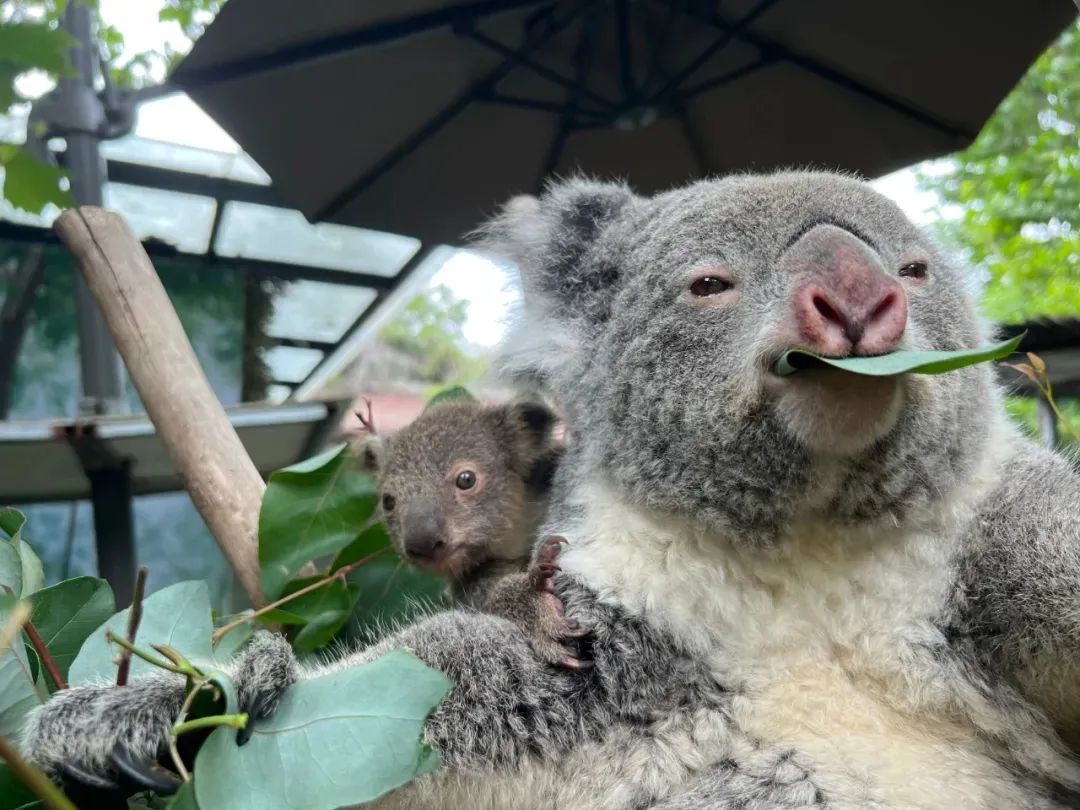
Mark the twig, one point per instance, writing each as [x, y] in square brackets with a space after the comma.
[340, 574]
[231, 720]
[173, 751]
[190, 670]
[367, 422]
[134, 617]
[34, 779]
[47, 660]
[1038, 374]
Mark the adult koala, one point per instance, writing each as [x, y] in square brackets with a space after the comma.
[813, 590]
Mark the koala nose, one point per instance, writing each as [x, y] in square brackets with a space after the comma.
[423, 531]
[845, 302]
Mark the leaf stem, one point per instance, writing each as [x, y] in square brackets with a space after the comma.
[174, 752]
[232, 720]
[34, 779]
[134, 617]
[340, 574]
[190, 671]
[47, 660]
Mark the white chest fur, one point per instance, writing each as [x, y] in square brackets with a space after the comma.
[828, 642]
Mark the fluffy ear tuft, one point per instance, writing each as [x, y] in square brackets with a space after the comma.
[528, 429]
[549, 237]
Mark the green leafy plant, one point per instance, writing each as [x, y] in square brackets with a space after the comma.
[329, 563]
[899, 362]
[1035, 370]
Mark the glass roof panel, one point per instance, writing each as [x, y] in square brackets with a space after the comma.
[254, 231]
[291, 365]
[182, 220]
[165, 155]
[314, 310]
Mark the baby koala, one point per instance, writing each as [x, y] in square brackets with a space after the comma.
[462, 491]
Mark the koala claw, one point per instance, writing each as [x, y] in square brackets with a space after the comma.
[558, 631]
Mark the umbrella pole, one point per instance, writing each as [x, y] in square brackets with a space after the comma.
[190, 421]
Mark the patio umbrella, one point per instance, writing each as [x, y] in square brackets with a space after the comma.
[420, 116]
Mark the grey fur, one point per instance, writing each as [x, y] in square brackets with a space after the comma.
[679, 431]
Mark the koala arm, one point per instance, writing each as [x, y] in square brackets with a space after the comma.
[1021, 582]
[505, 702]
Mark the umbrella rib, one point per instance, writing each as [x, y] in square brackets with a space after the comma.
[771, 47]
[336, 45]
[475, 91]
[539, 70]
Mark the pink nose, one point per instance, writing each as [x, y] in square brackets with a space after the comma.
[845, 303]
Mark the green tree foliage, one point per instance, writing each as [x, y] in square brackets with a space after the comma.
[431, 328]
[1018, 190]
[31, 39]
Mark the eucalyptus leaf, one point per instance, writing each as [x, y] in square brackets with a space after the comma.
[17, 693]
[67, 613]
[184, 798]
[319, 614]
[311, 509]
[13, 793]
[899, 362]
[374, 538]
[361, 725]
[391, 592]
[230, 643]
[20, 567]
[178, 616]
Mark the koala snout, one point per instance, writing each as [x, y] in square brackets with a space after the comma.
[423, 531]
[844, 302]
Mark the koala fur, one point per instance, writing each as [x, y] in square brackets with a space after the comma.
[787, 611]
[479, 537]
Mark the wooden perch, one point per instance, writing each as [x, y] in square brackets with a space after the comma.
[217, 471]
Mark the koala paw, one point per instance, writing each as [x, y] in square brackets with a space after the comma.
[556, 633]
[267, 668]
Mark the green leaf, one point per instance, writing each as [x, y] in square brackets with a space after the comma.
[17, 693]
[36, 45]
[231, 642]
[67, 613]
[20, 568]
[320, 613]
[178, 616]
[31, 184]
[391, 592]
[362, 726]
[311, 509]
[184, 798]
[452, 394]
[13, 793]
[372, 539]
[901, 362]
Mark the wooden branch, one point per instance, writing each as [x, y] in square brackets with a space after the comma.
[217, 471]
[123, 666]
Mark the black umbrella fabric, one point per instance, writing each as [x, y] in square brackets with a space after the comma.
[419, 116]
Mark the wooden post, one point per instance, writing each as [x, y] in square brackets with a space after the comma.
[217, 472]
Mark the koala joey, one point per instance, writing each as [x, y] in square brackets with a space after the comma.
[462, 490]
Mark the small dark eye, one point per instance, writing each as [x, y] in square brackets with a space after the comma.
[913, 270]
[466, 479]
[388, 503]
[709, 285]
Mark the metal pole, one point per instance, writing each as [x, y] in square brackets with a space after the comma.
[101, 373]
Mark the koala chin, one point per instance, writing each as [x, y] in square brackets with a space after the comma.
[832, 412]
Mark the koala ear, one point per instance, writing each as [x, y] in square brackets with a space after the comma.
[369, 452]
[528, 428]
[549, 237]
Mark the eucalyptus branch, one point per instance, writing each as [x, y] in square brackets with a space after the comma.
[230, 720]
[134, 617]
[174, 752]
[1035, 370]
[190, 670]
[47, 660]
[33, 778]
[340, 574]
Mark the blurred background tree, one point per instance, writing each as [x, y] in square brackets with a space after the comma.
[1017, 191]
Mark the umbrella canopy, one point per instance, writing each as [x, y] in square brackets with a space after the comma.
[420, 116]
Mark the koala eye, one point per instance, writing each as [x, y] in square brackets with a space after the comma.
[388, 503]
[466, 479]
[709, 285]
[913, 270]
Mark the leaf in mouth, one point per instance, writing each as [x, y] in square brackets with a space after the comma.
[899, 362]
